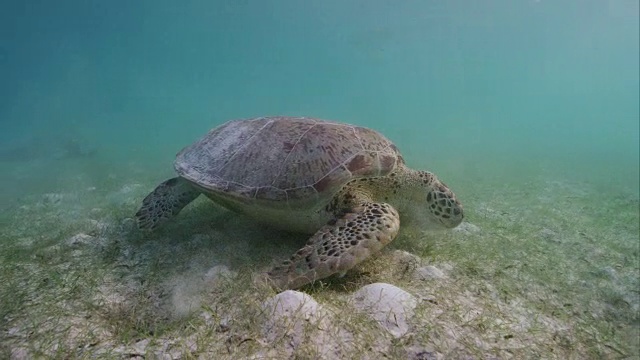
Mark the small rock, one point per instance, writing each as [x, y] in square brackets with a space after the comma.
[405, 257]
[466, 228]
[295, 320]
[390, 306]
[429, 272]
[288, 312]
[81, 239]
[291, 304]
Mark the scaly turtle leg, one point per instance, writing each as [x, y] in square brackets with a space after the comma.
[165, 202]
[339, 246]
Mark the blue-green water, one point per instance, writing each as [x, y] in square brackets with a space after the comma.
[529, 110]
[455, 84]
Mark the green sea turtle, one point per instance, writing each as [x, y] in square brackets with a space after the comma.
[347, 185]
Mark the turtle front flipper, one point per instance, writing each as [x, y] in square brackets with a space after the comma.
[165, 202]
[339, 246]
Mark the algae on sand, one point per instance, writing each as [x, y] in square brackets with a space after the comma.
[547, 270]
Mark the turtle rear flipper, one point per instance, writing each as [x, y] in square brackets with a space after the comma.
[165, 202]
[338, 247]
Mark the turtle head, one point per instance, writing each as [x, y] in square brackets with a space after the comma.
[424, 200]
[442, 207]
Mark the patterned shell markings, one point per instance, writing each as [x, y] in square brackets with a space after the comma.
[285, 158]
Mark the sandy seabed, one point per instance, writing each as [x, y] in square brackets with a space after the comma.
[541, 268]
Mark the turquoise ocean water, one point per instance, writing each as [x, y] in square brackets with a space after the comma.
[506, 86]
[528, 109]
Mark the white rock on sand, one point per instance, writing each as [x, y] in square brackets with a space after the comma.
[300, 321]
[466, 228]
[389, 305]
[288, 313]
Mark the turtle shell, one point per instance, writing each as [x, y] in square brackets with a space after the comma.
[292, 159]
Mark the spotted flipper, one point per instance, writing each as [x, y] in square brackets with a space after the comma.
[165, 202]
[338, 247]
